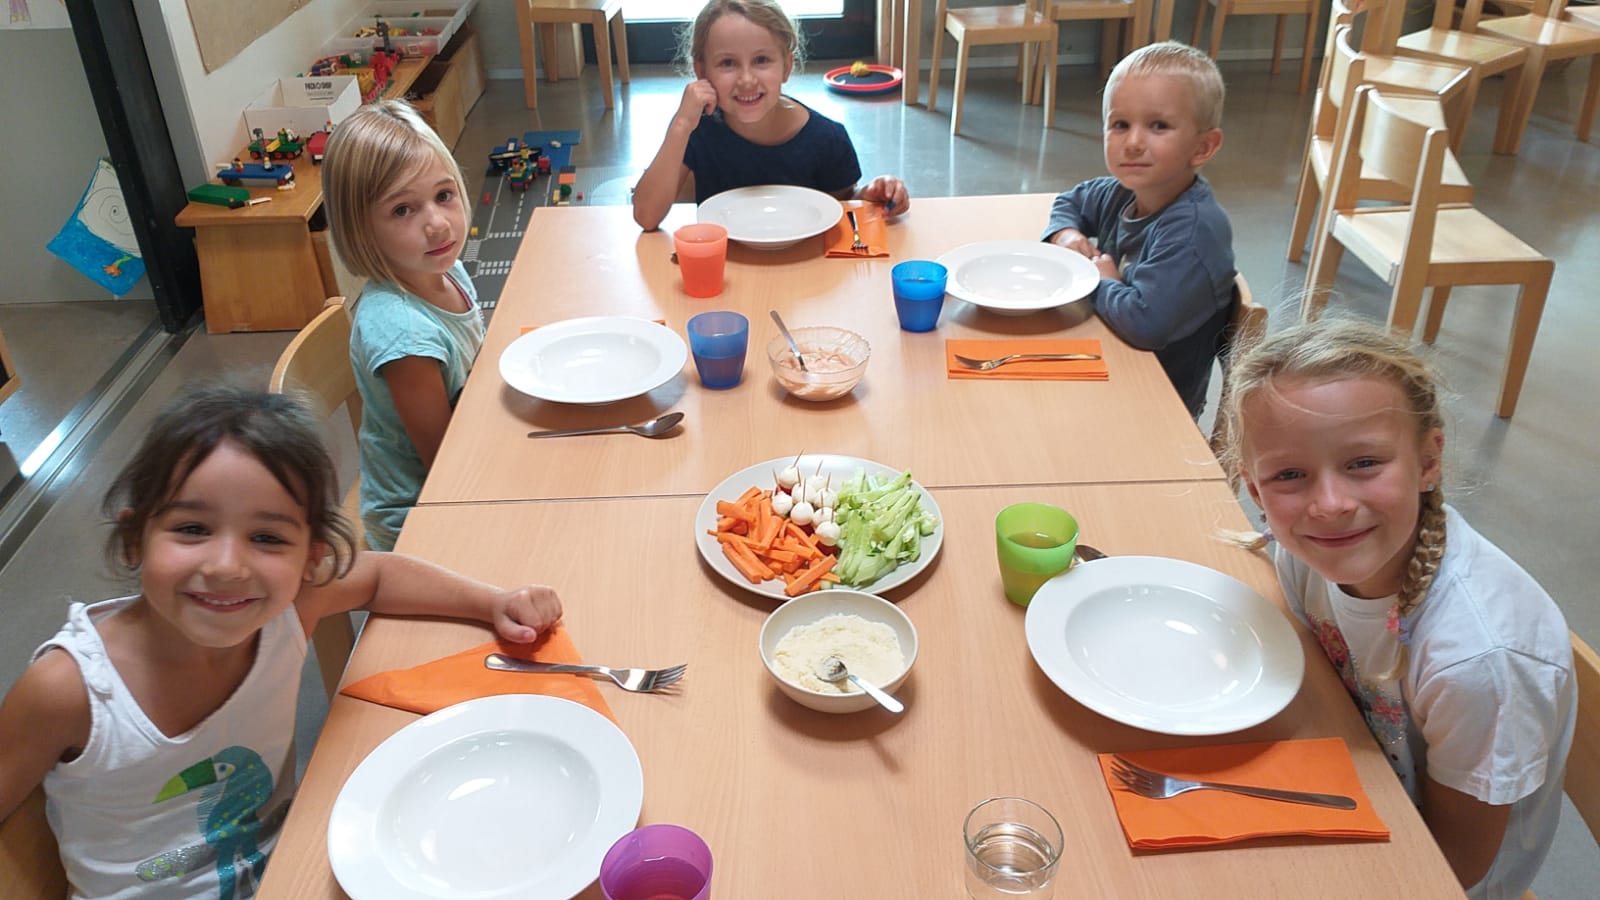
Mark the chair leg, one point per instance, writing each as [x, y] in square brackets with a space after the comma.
[1436, 304]
[1109, 42]
[1218, 16]
[1458, 110]
[1277, 43]
[1591, 99]
[933, 70]
[333, 638]
[552, 61]
[1199, 20]
[1405, 303]
[1530, 306]
[1306, 201]
[1511, 89]
[619, 40]
[1053, 48]
[530, 75]
[1325, 257]
[1306, 49]
[1030, 62]
[963, 53]
[1532, 74]
[602, 56]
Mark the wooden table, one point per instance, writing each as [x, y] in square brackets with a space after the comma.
[268, 267]
[806, 805]
[578, 261]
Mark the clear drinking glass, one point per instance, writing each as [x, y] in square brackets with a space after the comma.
[1013, 849]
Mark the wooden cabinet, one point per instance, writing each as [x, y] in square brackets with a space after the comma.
[450, 85]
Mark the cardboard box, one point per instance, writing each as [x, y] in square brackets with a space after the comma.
[303, 104]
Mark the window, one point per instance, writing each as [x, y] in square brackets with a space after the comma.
[834, 29]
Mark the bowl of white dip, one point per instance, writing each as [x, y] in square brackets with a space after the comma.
[836, 358]
[874, 638]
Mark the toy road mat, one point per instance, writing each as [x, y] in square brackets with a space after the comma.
[500, 214]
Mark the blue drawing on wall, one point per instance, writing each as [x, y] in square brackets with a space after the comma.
[98, 240]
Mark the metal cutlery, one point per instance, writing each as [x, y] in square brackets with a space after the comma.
[858, 245]
[784, 329]
[638, 680]
[984, 365]
[1160, 786]
[657, 427]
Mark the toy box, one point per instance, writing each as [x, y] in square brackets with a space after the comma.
[303, 105]
[415, 28]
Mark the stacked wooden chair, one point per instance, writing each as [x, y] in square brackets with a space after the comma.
[1283, 9]
[1548, 38]
[1025, 24]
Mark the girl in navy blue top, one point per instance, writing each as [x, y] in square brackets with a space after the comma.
[735, 128]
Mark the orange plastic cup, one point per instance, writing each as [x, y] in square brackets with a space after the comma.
[702, 252]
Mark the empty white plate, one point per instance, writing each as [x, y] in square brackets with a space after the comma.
[510, 796]
[596, 359]
[771, 216]
[1165, 645]
[1015, 278]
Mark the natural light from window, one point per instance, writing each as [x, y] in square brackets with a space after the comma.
[683, 10]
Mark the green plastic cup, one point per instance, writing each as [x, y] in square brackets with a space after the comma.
[1035, 542]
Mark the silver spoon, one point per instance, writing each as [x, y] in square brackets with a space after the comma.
[833, 670]
[790, 338]
[654, 428]
[1086, 553]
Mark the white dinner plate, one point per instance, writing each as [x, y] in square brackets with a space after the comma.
[771, 216]
[840, 467]
[1015, 278]
[518, 796]
[1165, 645]
[595, 359]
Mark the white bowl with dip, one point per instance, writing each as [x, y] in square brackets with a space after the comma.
[856, 638]
[836, 358]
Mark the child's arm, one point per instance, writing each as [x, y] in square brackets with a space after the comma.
[888, 190]
[1073, 220]
[44, 719]
[667, 176]
[396, 584]
[1163, 297]
[417, 385]
[1468, 830]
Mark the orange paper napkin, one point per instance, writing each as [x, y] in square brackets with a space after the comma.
[1203, 818]
[455, 679]
[1055, 370]
[870, 220]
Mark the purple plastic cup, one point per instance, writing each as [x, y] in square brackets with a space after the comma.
[657, 862]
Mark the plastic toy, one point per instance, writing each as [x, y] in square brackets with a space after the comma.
[231, 197]
[875, 79]
[239, 173]
[520, 175]
[317, 144]
[502, 156]
[287, 145]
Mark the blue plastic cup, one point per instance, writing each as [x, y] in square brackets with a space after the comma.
[918, 293]
[717, 341]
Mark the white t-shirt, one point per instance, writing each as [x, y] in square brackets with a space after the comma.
[1488, 701]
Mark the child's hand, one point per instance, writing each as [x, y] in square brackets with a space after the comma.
[888, 190]
[1073, 239]
[1107, 266]
[525, 613]
[699, 99]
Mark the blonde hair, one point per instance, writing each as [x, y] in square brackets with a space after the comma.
[1333, 348]
[369, 153]
[765, 13]
[1181, 61]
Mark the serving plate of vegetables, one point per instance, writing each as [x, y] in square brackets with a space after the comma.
[786, 526]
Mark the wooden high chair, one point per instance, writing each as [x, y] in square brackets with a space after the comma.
[1548, 39]
[1246, 327]
[982, 26]
[536, 16]
[1343, 71]
[317, 362]
[29, 859]
[1426, 244]
[1283, 9]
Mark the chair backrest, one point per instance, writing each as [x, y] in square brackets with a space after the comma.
[1246, 326]
[1583, 762]
[317, 361]
[29, 859]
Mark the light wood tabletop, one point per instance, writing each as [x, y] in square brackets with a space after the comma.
[906, 413]
[801, 804]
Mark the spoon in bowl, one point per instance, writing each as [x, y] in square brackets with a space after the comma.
[657, 427]
[790, 338]
[833, 670]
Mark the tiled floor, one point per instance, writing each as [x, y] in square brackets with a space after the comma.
[1530, 484]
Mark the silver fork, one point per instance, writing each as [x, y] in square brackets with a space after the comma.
[984, 365]
[640, 680]
[858, 244]
[1160, 786]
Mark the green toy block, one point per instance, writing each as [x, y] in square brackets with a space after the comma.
[221, 195]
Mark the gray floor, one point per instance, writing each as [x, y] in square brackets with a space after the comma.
[1529, 484]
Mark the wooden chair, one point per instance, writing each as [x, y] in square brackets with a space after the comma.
[536, 18]
[1247, 326]
[1587, 16]
[1582, 783]
[317, 362]
[1548, 39]
[1132, 19]
[1280, 8]
[29, 860]
[1343, 71]
[1426, 244]
[1482, 55]
[982, 26]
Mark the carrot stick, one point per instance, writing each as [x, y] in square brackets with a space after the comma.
[747, 565]
[809, 577]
